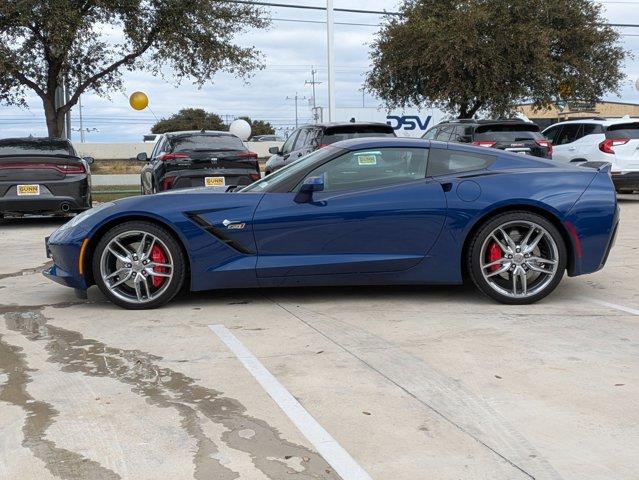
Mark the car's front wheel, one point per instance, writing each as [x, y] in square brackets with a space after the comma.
[517, 257]
[139, 265]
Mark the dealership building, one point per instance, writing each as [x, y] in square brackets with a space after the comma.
[545, 117]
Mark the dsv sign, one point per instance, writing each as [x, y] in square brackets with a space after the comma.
[407, 122]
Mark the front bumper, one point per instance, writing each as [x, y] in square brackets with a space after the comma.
[625, 180]
[65, 268]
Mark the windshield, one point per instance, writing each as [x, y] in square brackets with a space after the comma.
[207, 142]
[34, 147]
[623, 130]
[508, 133]
[276, 178]
[337, 134]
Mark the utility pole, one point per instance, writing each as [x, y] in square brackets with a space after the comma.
[330, 41]
[296, 98]
[312, 83]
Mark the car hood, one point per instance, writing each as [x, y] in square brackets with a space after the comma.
[172, 208]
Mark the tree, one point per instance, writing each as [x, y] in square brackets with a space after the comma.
[464, 56]
[88, 43]
[189, 119]
[259, 127]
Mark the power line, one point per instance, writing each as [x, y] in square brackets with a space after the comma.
[312, 7]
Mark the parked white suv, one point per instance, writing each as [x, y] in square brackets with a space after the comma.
[614, 140]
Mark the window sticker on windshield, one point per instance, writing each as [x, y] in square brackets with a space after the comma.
[367, 158]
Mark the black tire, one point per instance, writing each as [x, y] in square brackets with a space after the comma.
[474, 255]
[179, 269]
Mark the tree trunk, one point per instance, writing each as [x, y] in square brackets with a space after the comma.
[55, 121]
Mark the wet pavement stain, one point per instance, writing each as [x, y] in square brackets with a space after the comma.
[165, 388]
[39, 417]
[26, 271]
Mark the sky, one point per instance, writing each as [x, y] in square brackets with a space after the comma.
[290, 50]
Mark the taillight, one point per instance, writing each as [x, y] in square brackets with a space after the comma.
[254, 177]
[607, 144]
[547, 144]
[247, 154]
[322, 145]
[168, 182]
[485, 144]
[62, 168]
[79, 168]
[172, 156]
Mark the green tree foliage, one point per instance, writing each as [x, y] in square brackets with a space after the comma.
[190, 119]
[464, 56]
[259, 127]
[89, 43]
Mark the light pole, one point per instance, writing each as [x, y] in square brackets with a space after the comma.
[330, 43]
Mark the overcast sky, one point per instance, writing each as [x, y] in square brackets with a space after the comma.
[289, 51]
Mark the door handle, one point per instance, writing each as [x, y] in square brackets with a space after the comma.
[572, 149]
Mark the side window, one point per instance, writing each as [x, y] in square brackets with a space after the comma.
[314, 138]
[160, 147]
[444, 133]
[589, 129]
[430, 134]
[551, 133]
[364, 169]
[444, 162]
[568, 134]
[458, 134]
[288, 144]
[301, 139]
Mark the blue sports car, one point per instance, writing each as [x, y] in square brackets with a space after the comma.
[359, 212]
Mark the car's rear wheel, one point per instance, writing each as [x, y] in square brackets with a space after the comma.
[139, 265]
[517, 257]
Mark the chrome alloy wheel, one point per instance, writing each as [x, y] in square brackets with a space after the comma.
[129, 271]
[519, 259]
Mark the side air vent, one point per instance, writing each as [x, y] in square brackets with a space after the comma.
[219, 234]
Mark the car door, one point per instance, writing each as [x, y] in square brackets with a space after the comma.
[300, 147]
[378, 213]
[564, 149]
[147, 170]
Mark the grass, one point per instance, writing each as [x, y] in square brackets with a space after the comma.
[107, 167]
[106, 193]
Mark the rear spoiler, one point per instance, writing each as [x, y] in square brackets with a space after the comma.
[599, 166]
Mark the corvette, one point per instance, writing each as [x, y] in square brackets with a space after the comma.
[374, 211]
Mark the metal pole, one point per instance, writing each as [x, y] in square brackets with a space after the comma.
[81, 124]
[330, 43]
[295, 109]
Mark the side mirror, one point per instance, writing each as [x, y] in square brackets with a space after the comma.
[89, 160]
[142, 157]
[274, 150]
[310, 185]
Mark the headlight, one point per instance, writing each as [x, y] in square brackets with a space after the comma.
[81, 217]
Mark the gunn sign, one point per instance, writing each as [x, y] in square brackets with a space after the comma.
[408, 122]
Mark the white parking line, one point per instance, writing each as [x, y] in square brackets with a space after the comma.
[327, 446]
[614, 306]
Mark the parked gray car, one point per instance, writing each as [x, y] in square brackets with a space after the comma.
[309, 138]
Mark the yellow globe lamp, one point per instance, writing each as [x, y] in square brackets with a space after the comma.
[138, 101]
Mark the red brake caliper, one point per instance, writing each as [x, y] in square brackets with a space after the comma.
[158, 256]
[494, 254]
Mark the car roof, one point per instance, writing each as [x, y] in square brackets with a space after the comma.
[345, 124]
[472, 121]
[185, 133]
[33, 140]
[605, 122]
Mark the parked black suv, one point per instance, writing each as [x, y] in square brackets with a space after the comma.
[198, 159]
[309, 138]
[513, 135]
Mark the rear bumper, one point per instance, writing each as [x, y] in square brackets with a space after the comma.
[626, 180]
[195, 178]
[68, 195]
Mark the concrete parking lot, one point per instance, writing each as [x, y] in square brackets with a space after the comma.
[403, 383]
